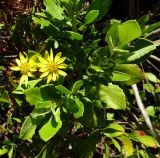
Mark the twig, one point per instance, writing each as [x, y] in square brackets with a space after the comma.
[144, 113]
[153, 65]
[155, 58]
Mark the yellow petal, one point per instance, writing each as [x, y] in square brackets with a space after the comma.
[30, 75]
[54, 77]
[49, 78]
[41, 65]
[18, 62]
[57, 57]
[62, 73]
[62, 66]
[22, 58]
[42, 60]
[61, 60]
[32, 60]
[46, 54]
[23, 78]
[15, 68]
[33, 69]
[51, 55]
[44, 69]
[44, 74]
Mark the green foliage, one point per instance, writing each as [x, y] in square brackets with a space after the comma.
[91, 110]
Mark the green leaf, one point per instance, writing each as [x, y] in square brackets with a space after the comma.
[151, 77]
[4, 97]
[40, 112]
[71, 104]
[97, 68]
[120, 76]
[116, 144]
[149, 87]
[142, 137]
[51, 127]
[127, 145]
[28, 128]
[101, 5]
[3, 150]
[54, 9]
[128, 31]
[112, 35]
[141, 52]
[143, 20]
[91, 17]
[151, 28]
[20, 89]
[73, 35]
[62, 89]
[114, 130]
[76, 86]
[80, 110]
[40, 96]
[151, 111]
[113, 96]
[136, 74]
[10, 153]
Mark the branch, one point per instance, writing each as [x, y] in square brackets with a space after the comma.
[144, 113]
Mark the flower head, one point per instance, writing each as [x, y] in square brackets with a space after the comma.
[51, 66]
[26, 66]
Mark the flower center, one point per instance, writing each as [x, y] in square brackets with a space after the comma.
[24, 68]
[52, 67]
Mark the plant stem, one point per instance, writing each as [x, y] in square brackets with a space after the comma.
[144, 113]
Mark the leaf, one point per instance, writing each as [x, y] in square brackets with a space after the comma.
[62, 89]
[41, 96]
[4, 97]
[91, 17]
[51, 127]
[142, 137]
[28, 128]
[128, 31]
[116, 144]
[80, 110]
[20, 89]
[40, 112]
[127, 145]
[3, 150]
[152, 28]
[101, 5]
[35, 96]
[151, 77]
[73, 35]
[143, 20]
[71, 104]
[114, 130]
[54, 9]
[112, 34]
[97, 68]
[113, 96]
[120, 76]
[149, 87]
[151, 111]
[76, 86]
[141, 52]
[136, 74]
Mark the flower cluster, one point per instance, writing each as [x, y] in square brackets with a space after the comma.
[49, 66]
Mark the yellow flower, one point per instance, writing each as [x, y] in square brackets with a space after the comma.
[51, 66]
[26, 66]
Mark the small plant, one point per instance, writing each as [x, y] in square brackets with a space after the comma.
[81, 103]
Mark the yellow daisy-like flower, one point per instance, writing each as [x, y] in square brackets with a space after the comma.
[51, 66]
[26, 66]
